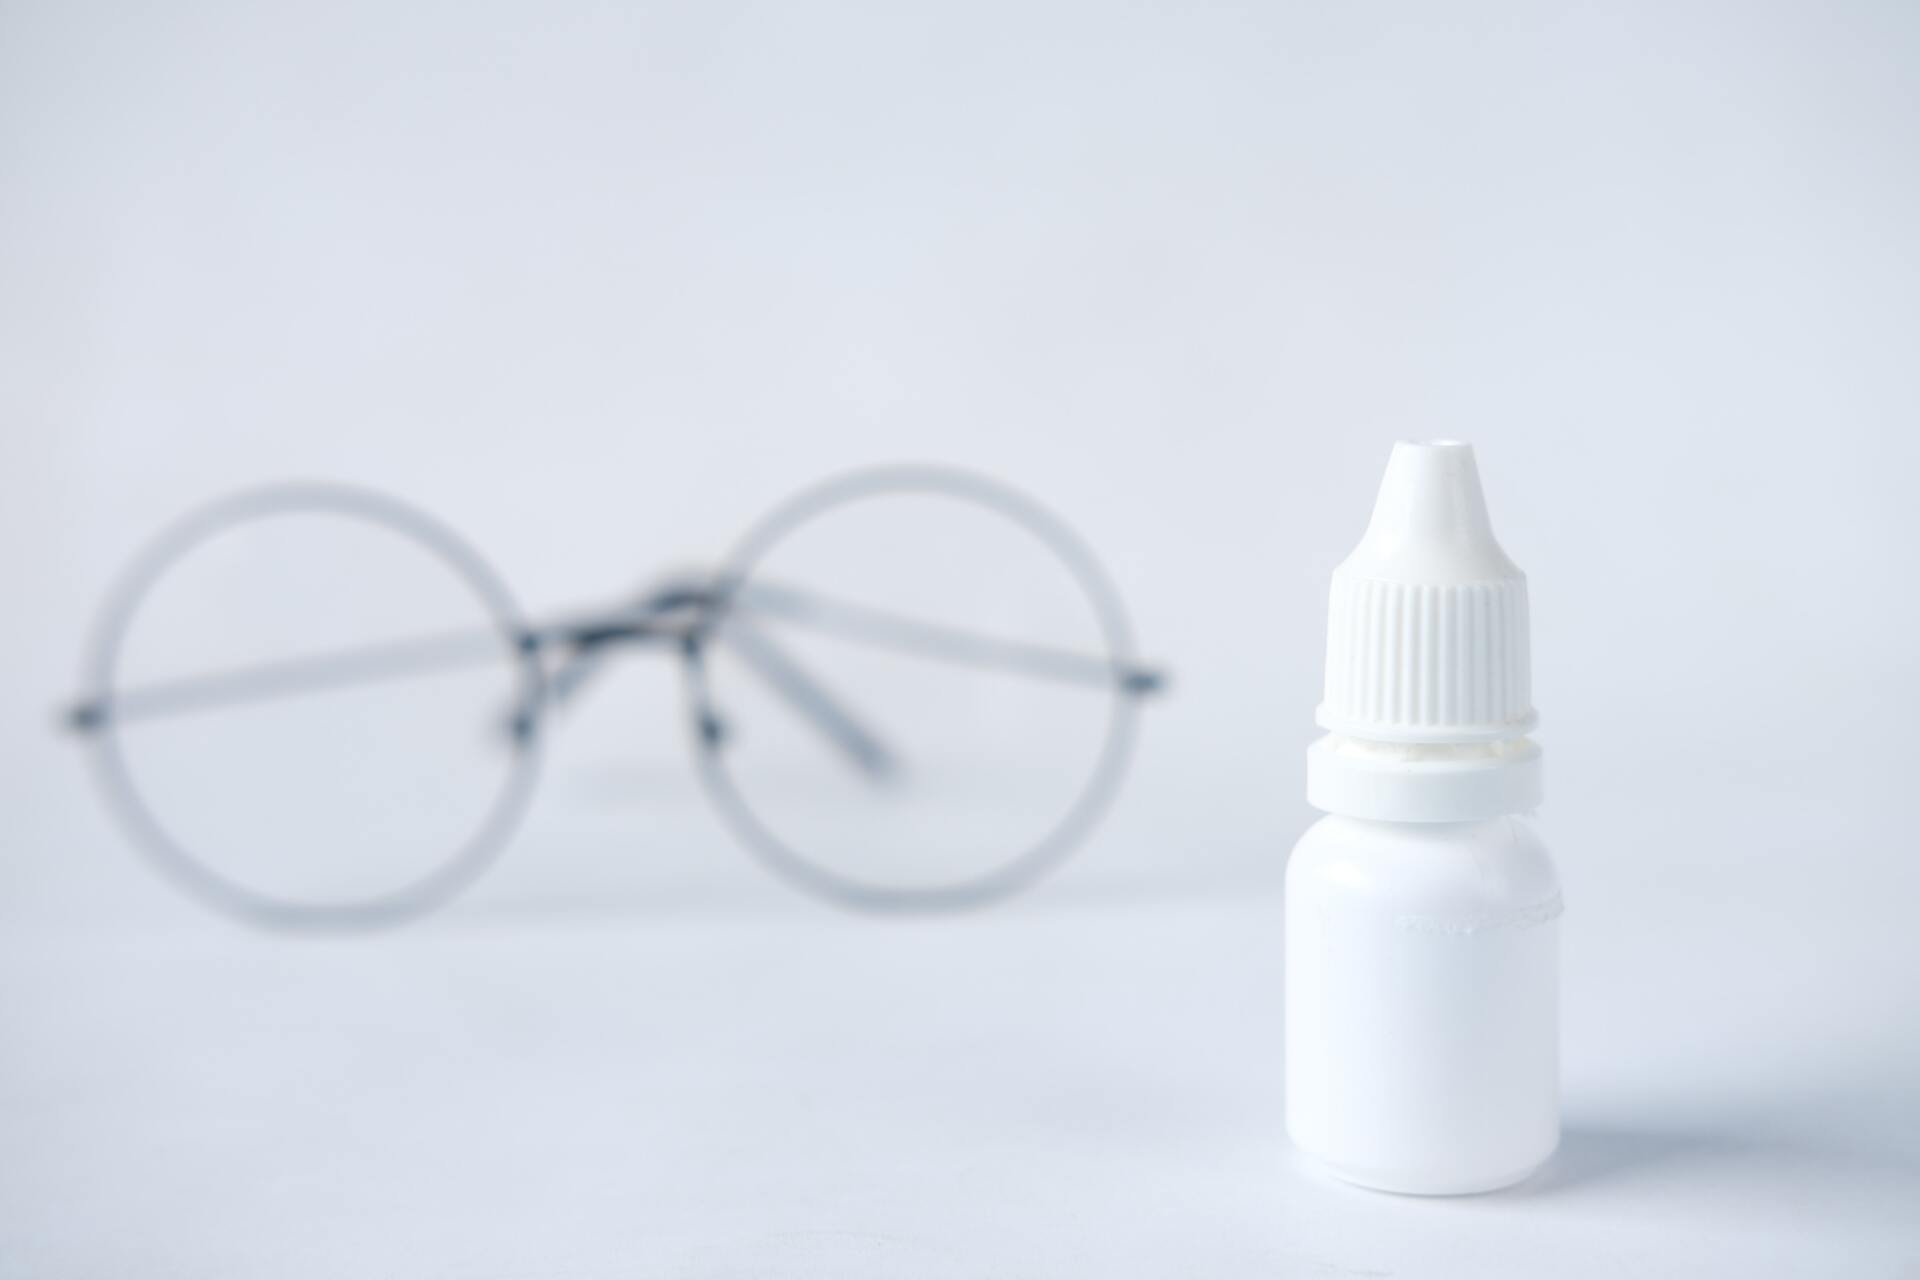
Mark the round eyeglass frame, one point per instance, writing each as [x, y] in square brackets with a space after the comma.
[478, 853]
[1016, 872]
[425, 893]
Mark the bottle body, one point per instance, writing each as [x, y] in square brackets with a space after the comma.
[1422, 1002]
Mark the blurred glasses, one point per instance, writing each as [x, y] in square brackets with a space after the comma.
[907, 688]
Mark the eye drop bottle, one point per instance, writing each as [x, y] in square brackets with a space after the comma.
[1422, 913]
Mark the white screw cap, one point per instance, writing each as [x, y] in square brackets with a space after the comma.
[1428, 697]
[1427, 619]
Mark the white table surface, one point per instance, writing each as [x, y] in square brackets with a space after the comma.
[602, 1067]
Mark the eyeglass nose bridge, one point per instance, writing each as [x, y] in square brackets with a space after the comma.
[676, 613]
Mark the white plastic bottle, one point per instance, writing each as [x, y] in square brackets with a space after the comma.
[1422, 972]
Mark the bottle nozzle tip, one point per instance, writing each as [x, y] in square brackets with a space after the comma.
[1430, 520]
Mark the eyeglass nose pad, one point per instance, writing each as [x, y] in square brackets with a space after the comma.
[714, 730]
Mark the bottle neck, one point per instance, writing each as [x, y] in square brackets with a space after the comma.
[1423, 782]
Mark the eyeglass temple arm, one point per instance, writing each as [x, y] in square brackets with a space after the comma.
[829, 714]
[372, 664]
[807, 696]
[264, 681]
[942, 642]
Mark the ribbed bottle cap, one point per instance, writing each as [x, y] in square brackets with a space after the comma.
[1427, 619]
[1428, 696]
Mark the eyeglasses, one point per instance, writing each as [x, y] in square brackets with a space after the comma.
[906, 688]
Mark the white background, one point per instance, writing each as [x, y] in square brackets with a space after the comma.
[597, 284]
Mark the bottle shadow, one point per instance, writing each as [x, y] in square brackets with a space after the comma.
[1590, 1156]
[1788, 1168]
